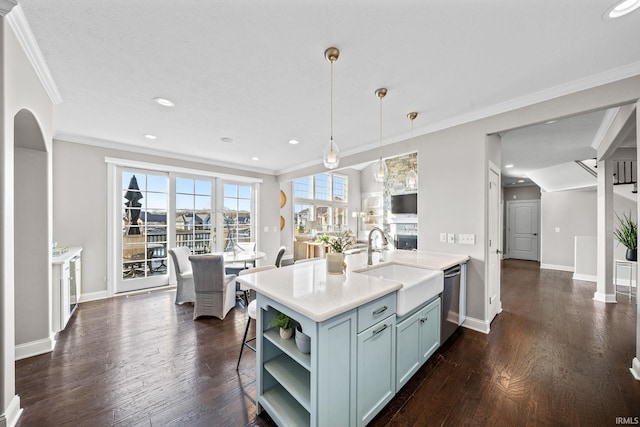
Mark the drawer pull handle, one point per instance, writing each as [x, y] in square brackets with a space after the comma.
[377, 331]
[380, 310]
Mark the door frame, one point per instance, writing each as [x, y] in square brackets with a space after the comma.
[510, 203]
[490, 315]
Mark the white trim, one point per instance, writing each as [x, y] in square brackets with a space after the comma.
[18, 23]
[607, 120]
[607, 298]
[635, 368]
[6, 6]
[176, 169]
[585, 277]
[96, 142]
[94, 296]
[34, 348]
[12, 413]
[477, 325]
[557, 267]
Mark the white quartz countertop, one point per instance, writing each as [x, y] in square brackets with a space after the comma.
[307, 288]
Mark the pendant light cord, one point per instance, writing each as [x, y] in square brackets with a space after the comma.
[331, 108]
[380, 128]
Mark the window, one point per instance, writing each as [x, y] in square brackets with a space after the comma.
[193, 214]
[320, 203]
[144, 224]
[238, 224]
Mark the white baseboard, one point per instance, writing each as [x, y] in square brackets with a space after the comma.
[12, 413]
[635, 368]
[608, 298]
[585, 277]
[476, 325]
[34, 348]
[94, 296]
[557, 267]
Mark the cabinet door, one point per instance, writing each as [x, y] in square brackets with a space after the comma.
[376, 369]
[408, 348]
[430, 329]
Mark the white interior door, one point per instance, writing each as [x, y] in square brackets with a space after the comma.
[493, 279]
[523, 229]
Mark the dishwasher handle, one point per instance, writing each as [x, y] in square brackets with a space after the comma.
[452, 272]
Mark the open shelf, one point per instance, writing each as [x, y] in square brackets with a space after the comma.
[284, 408]
[293, 377]
[289, 347]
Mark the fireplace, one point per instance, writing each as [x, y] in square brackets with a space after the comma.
[406, 241]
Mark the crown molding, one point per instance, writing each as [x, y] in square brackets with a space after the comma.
[6, 6]
[18, 23]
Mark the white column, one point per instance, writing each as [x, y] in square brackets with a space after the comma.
[605, 291]
[635, 364]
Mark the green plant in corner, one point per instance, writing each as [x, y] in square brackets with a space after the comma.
[323, 238]
[626, 231]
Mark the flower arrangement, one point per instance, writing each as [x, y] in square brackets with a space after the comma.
[341, 242]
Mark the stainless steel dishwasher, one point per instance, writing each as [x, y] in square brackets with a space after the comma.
[453, 302]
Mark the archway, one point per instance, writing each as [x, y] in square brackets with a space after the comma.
[31, 238]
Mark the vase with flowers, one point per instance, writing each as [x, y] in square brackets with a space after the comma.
[337, 245]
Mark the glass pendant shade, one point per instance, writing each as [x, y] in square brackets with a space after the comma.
[412, 179]
[331, 155]
[380, 171]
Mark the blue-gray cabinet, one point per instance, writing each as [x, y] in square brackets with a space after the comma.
[417, 338]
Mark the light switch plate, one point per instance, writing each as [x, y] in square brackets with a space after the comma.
[451, 238]
[443, 237]
[467, 239]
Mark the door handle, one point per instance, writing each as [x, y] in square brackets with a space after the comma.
[535, 234]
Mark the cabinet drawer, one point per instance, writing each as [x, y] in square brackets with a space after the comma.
[374, 311]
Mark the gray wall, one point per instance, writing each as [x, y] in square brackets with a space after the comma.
[529, 192]
[80, 205]
[575, 213]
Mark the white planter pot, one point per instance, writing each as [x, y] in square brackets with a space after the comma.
[335, 263]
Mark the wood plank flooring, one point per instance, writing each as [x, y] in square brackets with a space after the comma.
[554, 357]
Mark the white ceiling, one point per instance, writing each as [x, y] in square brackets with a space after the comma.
[254, 70]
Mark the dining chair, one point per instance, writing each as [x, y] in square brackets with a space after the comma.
[279, 255]
[215, 291]
[251, 311]
[185, 290]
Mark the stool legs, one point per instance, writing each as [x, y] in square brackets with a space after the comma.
[244, 342]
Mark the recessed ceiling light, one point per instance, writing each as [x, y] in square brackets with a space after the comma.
[165, 102]
[549, 122]
[255, 158]
[508, 166]
[621, 8]
[294, 141]
[149, 136]
[226, 139]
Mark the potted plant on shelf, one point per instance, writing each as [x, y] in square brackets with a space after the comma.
[285, 323]
[335, 259]
[626, 232]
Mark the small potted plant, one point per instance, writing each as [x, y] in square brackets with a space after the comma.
[626, 232]
[285, 323]
[335, 259]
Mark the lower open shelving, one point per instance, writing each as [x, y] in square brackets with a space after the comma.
[280, 404]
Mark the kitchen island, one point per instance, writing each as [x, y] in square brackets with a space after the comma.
[350, 373]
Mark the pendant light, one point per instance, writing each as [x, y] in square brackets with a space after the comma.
[331, 155]
[411, 180]
[380, 171]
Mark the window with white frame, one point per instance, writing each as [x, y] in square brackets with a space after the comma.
[320, 203]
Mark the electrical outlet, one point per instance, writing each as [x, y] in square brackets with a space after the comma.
[443, 237]
[451, 238]
[467, 239]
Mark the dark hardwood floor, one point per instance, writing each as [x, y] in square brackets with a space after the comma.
[554, 357]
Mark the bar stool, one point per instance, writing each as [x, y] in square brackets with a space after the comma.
[631, 265]
[252, 310]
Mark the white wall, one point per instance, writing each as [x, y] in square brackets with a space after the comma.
[20, 89]
[80, 206]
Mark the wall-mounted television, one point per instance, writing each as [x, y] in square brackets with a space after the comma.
[404, 203]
